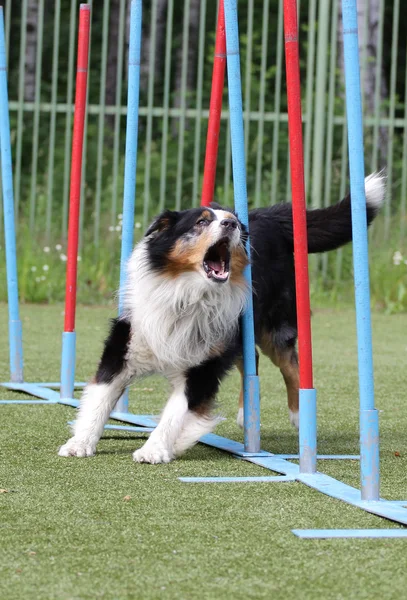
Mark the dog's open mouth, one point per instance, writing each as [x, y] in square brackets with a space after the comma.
[216, 261]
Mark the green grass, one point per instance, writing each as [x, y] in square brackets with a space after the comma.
[66, 531]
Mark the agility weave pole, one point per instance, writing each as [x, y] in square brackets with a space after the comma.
[67, 385]
[307, 393]
[15, 329]
[69, 334]
[215, 110]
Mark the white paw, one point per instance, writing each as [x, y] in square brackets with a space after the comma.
[239, 418]
[294, 419]
[153, 453]
[75, 447]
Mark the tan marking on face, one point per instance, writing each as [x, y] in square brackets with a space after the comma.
[186, 257]
[207, 215]
[238, 261]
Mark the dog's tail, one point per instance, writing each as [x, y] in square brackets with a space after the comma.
[331, 227]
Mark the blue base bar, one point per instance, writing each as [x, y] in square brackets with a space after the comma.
[318, 534]
[129, 428]
[123, 402]
[40, 390]
[324, 456]
[33, 389]
[269, 479]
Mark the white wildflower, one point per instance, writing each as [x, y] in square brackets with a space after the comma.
[38, 279]
[111, 228]
[397, 257]
[43, 278]
[33, 269]
[58, 247]
[118, 228]
[45, 268]
[138, 225]
[120, 217]
[46, 249]
[79, 258]
[62, 257]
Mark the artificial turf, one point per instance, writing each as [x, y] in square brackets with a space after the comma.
[105, 527]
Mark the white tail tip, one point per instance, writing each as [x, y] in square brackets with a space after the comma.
[375, 189]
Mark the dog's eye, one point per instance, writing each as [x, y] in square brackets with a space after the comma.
[202, 222]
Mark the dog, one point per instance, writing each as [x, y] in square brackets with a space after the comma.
[184, 296]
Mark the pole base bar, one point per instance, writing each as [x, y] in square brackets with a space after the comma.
[269, 479]
[318, 534]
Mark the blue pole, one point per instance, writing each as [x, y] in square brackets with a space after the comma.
[369, 423]
[130, 164]
[251, 388]
[15, 329]
[68, 359]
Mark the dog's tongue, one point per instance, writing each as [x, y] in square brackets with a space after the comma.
[216, 266]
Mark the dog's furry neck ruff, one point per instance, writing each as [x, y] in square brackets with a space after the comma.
[183, 320]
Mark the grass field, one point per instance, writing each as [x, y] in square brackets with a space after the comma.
[67, 531]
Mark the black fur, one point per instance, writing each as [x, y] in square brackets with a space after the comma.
[203, 381]
[113, 357]
[273, 280]
[327, 228]
[167, 229]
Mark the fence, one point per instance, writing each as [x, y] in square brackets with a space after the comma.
[178, 43]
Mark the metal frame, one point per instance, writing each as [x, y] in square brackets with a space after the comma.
[368, 498]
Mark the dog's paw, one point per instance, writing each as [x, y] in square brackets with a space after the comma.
[239, 418]
[75, 447]
[153, 453]
[295, 419]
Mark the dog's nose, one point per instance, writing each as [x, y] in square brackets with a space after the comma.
[229, 223]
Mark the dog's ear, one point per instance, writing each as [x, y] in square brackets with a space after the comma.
[216, 206]
[164, 221]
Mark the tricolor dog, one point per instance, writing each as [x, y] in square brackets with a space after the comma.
[184, 297]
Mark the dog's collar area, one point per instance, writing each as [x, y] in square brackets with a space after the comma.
[217, 260]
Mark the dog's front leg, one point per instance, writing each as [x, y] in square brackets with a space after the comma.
[160, 446]
[100, 396]
[97, 402]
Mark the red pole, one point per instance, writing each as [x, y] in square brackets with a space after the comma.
[76, 166]
[298, 193]
[215, 110]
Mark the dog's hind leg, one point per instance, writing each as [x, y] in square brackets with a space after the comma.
[286, 359]
[101, 395]
[239, 364]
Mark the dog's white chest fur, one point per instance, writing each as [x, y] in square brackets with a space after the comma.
[177, 323]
